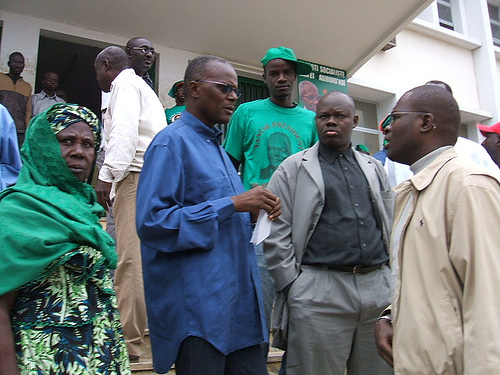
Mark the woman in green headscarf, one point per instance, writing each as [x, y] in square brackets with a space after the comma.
[58, 311]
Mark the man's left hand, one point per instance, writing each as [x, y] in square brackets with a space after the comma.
[383, 338]
[103, 190]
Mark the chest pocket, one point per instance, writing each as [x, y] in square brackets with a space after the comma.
[216, 188]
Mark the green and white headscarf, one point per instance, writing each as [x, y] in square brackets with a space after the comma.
[62, 115]
[49, 212]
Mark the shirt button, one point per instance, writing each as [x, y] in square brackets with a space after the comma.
[352, 187]
[363, 245]
[361, 223]
[345, 168]
[356, 205]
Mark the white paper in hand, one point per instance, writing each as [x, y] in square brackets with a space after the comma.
[262, 228]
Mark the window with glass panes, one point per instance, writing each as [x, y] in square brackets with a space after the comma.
[445, 14]
[367, 132]
[494, 12]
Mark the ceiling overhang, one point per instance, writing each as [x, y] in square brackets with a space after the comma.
[339, 33]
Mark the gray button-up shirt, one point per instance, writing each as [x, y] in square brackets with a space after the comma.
[347, 233]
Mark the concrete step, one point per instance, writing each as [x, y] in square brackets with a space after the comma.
[145, 365]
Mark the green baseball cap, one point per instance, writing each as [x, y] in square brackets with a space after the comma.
[172, 91]
[286, 54]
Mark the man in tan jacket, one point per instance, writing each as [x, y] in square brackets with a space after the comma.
[444, 247]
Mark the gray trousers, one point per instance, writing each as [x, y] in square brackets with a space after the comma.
[332, 322]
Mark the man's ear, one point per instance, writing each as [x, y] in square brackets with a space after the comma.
[355, 121]
[193, 87]
[106, 64]
[428, 122]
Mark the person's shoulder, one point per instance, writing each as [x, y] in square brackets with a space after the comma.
[27, 84]
[165, 137]
[173, 130]
[461, 172]
[369, 158]
[21, 84]
[4, 78]
[249, 107]
[298, 158]
[128, 77]
[305, 111]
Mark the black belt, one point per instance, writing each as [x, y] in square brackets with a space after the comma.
[350, 269]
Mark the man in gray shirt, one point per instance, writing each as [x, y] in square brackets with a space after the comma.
[48, 96]
[328, 251]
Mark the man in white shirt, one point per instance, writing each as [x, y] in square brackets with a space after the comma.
[48, 96]
[133, 117]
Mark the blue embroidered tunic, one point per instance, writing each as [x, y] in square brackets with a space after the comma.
[200, 271]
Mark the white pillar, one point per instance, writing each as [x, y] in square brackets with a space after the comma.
[478, 24]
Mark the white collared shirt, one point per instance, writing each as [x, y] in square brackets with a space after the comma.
[133, 117]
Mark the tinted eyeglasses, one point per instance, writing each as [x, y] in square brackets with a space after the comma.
[393, 116]
[226, 88]
[144, 50]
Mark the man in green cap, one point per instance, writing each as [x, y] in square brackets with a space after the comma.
[251, 133]
[176, 92]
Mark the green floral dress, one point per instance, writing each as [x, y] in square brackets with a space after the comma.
[66, 321]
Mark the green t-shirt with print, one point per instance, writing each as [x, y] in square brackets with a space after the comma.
[174, 113]
[262, 134]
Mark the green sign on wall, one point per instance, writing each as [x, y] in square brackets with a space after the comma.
[320, 81]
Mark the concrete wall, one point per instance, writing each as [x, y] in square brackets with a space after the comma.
[21, 33]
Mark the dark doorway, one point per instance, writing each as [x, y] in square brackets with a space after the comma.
[74, 63]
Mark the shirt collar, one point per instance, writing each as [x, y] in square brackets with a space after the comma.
[148, 80]
[213, 133]
[47, 95]
[425, 160]
[330, 154]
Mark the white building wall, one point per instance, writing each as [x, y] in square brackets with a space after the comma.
[466, 59]
[21, 33]
[419, 58]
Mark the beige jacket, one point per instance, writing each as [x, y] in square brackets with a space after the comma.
[447, 300]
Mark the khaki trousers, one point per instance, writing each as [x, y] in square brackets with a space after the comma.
[128, 276]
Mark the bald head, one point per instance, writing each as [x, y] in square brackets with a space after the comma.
[442, 84]
[108, 64]
[423, 120]
[334, 96]
[440, 102]
[115, 56]
[335, 119]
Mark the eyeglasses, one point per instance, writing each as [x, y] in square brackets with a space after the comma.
[226, 88]
[393, 116]
[144, 50]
